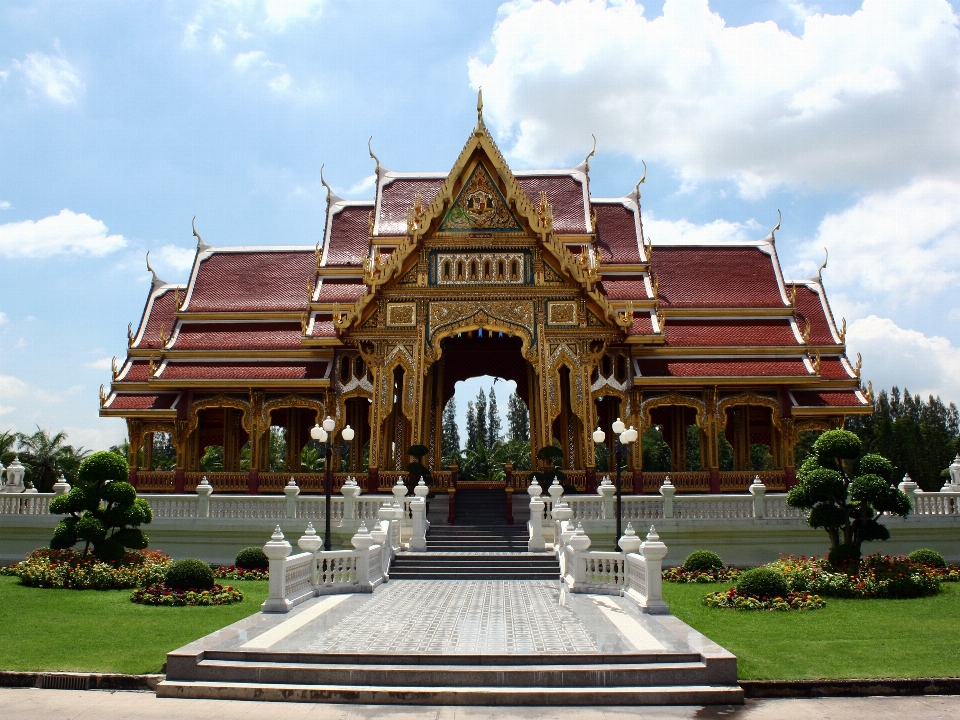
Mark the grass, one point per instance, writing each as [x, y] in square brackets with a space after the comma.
[101, 630]
[847, 639]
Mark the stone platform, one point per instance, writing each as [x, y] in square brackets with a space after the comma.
[466, 642]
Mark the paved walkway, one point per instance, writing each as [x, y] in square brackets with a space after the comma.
[28, 704]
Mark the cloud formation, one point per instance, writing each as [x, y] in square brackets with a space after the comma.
[67, 232]
[868, 99]
[53, 77]
[174, 259]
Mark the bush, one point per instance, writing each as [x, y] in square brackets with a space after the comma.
[875, 576]
[844, 557]
[252, 558]
[925, 556]
[71, 570]
[762, 582]
[163, 595]
[702, 561]
[189, 574]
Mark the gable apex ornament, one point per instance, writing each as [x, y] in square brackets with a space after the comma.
[332, 197]
[201, 245]
[157, 283]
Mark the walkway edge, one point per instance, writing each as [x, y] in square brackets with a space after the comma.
[849, 688]
[94, 681]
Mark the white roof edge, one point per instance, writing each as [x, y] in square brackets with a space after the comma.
[815, 285]
[154, 294]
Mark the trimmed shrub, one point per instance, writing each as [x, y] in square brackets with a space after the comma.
[844, 557]
[762, 583]
[189, 574]
[925, 556]
[252, 558]
[702, 561]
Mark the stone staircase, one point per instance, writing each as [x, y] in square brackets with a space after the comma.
[477, 506]
[665, 678]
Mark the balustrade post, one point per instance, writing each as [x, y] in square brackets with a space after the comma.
[536, 542]
[758, 490]
[653, 552]
[292, 490]
[204, 491]
[580, 543]
[363, 541]
[253, 481]
[667, 491]
[60, 487]
[179, 480]
[418, 539]
[277, 550]
[715, 481]
[311, 542]
[909, 488]
[606, 491]
[637, 481]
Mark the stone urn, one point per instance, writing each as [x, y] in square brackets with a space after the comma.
[630, 542]
[579, 540]
[363, 539]
[310, 542]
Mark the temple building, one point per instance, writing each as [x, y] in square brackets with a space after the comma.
[483, 271]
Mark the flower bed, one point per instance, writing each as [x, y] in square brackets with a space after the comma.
[878, 576]
[162, 595]
[734, 600]
[232, 572]
[72, 570]
[680, 575]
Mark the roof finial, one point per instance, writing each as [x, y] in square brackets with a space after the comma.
[374, 157]
[157, 282]
[773, 233]
[636, 190]
[826, 257]
[593, 151]
[331, 195]
[201, 245]
[480, 126]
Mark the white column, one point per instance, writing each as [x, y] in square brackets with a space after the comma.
[277, 550]
[204, 491]
[418, 540]
[310, 542]
[909, 488]
[292, 490]
[363, 541]
[758, 490]
[653, 552]
[536, 542]
[607, 490]
[667, 491]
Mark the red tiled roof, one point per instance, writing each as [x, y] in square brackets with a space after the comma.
[244, 371]
[337, 290]
[654, 367]
[252, 281]
[323, 328]
[642, 325]
[616, 233]
[139, 372]
[565, 194]
[809, 307]
[137, 401]
[349, 240]
[833, 369]
[162, 314]
[695, 333]
[807, 398]
[624, 288]
[238, 336]
[701, 276]
[396, 199]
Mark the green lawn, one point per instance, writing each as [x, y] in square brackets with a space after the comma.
[101, 630]
[847, 639]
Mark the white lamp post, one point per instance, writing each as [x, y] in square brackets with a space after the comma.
[323, 434]
[626, 436]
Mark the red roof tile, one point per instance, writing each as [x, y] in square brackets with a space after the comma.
[397, 198]
[616, 233]
[655, 367]
[695, 333]
[337, 290]
[137, 401]
[349, 240]
[642, 325]
[807, 398]
[809, 307]
[252, 281]
[565, 194]
[162, 314]
[244, 371]
[833, 369]
[238, 336]
[624, 288]
[711, 276]
[323, 328]
[139, 371]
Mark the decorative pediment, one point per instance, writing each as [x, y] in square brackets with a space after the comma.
[480, 206]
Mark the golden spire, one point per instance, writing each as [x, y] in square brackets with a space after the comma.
[481, 128]
[793, 295]
[163, 335]
[153, 367]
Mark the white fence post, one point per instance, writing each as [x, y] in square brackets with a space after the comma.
[653, 552]
[277, 550]
[363, 541]
[579, 542]
[606, 490]
[310, 542]
[292, 490]
[535, 543]
[667, 491]
[418, 540]
[204, 491]
[758, 490]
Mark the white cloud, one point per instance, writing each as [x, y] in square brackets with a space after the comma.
[52, 76]
[101, 364]
[893, 250]
[3, 318]
[892, 355]
[4, 205]
[688, 233]
[280, 13]
[6, 409]
[67, 232]
[363, 186]
[174, 258]
[864, 99]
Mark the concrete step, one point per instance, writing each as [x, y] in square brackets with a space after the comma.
[460, 695]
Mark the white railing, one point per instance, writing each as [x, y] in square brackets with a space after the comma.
[941, 503]
[713, 507]
[585, 507]
[258, 508]
[25, 503]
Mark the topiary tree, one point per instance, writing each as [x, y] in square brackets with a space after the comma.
[417, 469]
[762, 582]
[552, 455]
[703, 561]
[104, 510]
[926, 556]
[189, 574]
[845, 494]
[252, 558]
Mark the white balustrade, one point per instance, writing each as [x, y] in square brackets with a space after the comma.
[585, 507]
[713, 507]
[25, 503]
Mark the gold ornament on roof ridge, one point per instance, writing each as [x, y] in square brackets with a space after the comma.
[373, 157]
[129, 334]
[826, 257]
[113, 367]
[103, 396]
[843, 330]
[859, 365]
[793, 296]
[641, 181]
[163, 335]
[806, 332]
[593, 151]
[816, 364]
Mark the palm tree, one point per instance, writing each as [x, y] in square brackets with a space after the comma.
[48, 457]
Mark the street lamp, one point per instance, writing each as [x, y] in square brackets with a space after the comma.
[625, 436]
[323, 435]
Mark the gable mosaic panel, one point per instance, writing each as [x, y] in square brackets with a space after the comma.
[479, 206]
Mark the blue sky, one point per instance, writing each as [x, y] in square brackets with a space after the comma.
[119, 122]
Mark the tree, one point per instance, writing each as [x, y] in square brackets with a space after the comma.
[164, 453]
[48, 457]
[471, 425]
[846, 493]
[656, 452]
[212, 460]
[481, 407]
[103, 508]
[493, 421]
[450, 445]
[518, 419]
